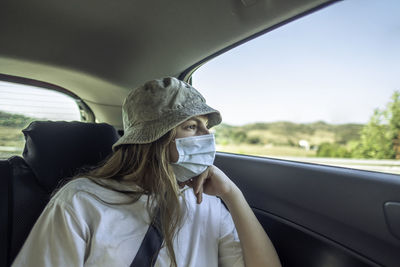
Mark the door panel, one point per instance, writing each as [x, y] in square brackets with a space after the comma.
[298, 246]
[334, 214]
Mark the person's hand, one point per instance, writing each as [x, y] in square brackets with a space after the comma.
[211, 182]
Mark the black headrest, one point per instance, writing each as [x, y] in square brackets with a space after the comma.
[56, 149]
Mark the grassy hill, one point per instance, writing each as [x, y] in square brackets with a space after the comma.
[287, 133]
[282, 138]
[274, 139]
[14, 120]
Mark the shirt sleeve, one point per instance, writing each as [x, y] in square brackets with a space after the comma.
[229, 249]
[57, 239]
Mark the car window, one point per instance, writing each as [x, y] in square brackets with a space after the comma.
[322, 89]
[22, 104]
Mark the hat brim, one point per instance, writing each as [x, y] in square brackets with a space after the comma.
[150, 131]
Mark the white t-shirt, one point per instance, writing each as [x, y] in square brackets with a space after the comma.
[78, 229]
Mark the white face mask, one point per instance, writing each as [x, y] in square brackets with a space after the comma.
[196, 153]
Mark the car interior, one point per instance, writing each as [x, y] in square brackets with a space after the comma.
[96, 51]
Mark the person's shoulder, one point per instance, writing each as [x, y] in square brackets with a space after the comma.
[72, 187]
[78, 184]
[87, 190]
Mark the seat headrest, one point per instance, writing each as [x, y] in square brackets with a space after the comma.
[57, 149]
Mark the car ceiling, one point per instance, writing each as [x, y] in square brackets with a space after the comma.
[100, 49]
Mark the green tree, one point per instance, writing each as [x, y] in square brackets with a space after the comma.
[380, 136]
[14, 120]
[254, 140]
[239, 137]
[332, 150]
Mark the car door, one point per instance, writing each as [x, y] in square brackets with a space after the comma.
[321, 215]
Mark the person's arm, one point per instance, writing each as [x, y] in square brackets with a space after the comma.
[58, 238]
[257, 247]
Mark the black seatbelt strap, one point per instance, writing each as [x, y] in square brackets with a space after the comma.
[150, 247]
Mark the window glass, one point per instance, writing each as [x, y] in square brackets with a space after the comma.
[321, 89]
[22, 104]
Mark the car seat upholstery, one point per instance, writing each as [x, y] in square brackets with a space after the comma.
[54, 151]
[5, 176]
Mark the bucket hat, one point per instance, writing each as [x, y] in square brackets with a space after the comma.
[158, 106]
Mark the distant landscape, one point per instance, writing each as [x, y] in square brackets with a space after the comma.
[371, 146]
[11, 138]
[276, 138]
[287, 138]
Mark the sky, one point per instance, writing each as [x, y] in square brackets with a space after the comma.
[337, 65]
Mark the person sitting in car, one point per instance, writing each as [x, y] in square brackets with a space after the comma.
[140, 195]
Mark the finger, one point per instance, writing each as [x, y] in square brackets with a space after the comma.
[198, 187]
[199, 181]
[200, 196]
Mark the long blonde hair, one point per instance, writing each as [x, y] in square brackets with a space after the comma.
[147, 166]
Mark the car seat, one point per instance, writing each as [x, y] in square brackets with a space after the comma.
[53, 152]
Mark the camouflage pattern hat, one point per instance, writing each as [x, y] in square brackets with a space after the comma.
[150, 111]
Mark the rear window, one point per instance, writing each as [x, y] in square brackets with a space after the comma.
[322, 89]
[22, 104]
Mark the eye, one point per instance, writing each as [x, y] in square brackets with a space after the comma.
[191, 127]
